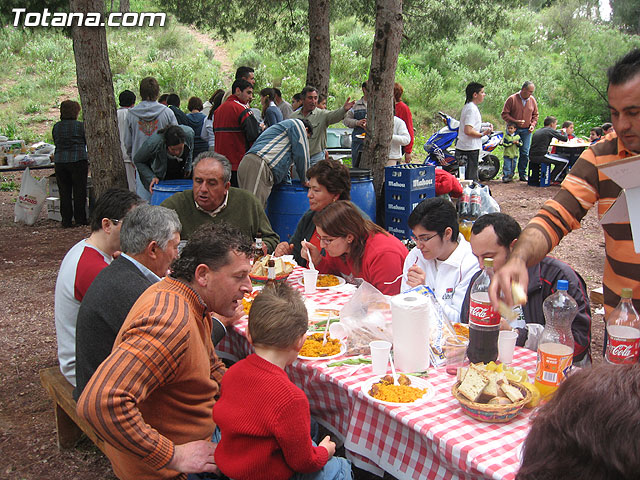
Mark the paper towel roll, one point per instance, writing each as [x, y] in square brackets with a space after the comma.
[410, 318]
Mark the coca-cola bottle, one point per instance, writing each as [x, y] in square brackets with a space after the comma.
[484, 322]
[555, 347]
[623, 332]
[475, 201]
[463, 203]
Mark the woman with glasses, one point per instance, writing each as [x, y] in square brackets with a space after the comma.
[356, 248]
[442, 259]
[329, 181]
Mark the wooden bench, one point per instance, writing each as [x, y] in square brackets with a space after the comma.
[69, 425]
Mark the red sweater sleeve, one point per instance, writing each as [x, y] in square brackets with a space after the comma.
[403, 112]
[90, 264]
[383, 262]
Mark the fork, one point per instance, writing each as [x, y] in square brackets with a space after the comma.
[394, 281]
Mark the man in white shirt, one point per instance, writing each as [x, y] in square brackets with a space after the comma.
[471, 131]
[80, 266]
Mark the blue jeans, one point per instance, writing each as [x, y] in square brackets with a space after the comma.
[337, 468]
[508, 167]
[316, 158]
[523, 161]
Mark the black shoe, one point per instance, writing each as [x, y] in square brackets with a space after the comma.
[524, 178]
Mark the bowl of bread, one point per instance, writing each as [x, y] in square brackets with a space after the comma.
[260, 270]
[489, 396]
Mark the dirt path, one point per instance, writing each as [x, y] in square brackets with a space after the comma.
[220, 53]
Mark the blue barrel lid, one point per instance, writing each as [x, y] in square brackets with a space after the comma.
[360, 173]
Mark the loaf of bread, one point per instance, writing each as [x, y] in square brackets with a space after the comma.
[510, 391]
[473, 384]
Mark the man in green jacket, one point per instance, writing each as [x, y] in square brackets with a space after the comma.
[320, 121]
[213, 199]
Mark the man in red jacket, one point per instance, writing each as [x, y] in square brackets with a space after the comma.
[235, 127]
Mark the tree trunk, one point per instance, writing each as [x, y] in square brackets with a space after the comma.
[380, 104]
[125, 7]
[95, 86]
[319, 63]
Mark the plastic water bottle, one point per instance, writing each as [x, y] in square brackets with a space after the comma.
[555, 348]
[623, 332]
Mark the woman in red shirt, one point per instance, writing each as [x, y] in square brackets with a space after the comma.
[356, 248]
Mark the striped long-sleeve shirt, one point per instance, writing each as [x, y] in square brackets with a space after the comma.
[583, 187]
[281, 145]
[157, 388]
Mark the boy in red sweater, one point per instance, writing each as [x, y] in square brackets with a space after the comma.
[263, 417]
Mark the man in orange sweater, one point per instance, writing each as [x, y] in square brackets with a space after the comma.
[151, 399]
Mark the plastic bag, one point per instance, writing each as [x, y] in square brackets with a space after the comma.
[31, 198]
[488, 204]
[364, 318]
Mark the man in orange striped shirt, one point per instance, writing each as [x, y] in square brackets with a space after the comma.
[151, 399]
[581, 189]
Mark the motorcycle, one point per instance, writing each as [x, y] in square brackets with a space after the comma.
[440, 149]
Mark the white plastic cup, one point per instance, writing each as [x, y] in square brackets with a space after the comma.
[310, 281]
[506, 345]
[380, 350]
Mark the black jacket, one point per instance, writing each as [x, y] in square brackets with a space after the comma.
[543, 278]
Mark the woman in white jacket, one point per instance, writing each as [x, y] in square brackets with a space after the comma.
[442, 259]
[400, 138]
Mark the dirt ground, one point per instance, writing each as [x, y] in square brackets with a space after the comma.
[29, 262]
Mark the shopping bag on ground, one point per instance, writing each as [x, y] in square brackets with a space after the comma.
[31, 198]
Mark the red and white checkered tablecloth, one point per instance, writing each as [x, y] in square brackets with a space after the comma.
[432, 440]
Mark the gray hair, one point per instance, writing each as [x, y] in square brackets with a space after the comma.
[221, 159]
[526, 84]
[145, 224]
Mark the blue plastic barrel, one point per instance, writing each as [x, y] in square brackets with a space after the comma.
[362, 192]
[165, 188]
[286, 205]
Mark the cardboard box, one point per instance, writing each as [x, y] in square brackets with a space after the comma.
[410, 177]
[53, 186]
[626, 173]
[53, 209]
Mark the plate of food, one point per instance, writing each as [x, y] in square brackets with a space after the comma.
[259, 271]
[248, 298]
[326, 280]
[410, 391]
[314, 350]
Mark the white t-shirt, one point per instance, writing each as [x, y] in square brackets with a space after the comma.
[470, 115]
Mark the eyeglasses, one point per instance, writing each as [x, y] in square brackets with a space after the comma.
[115, 221]
[327, 240]
[423, 239]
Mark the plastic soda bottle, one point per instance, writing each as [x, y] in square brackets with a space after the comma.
[623, 332]
[555, 348]
[464, 205]
[484, 322]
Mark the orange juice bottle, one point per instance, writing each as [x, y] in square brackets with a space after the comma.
[555, 348]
